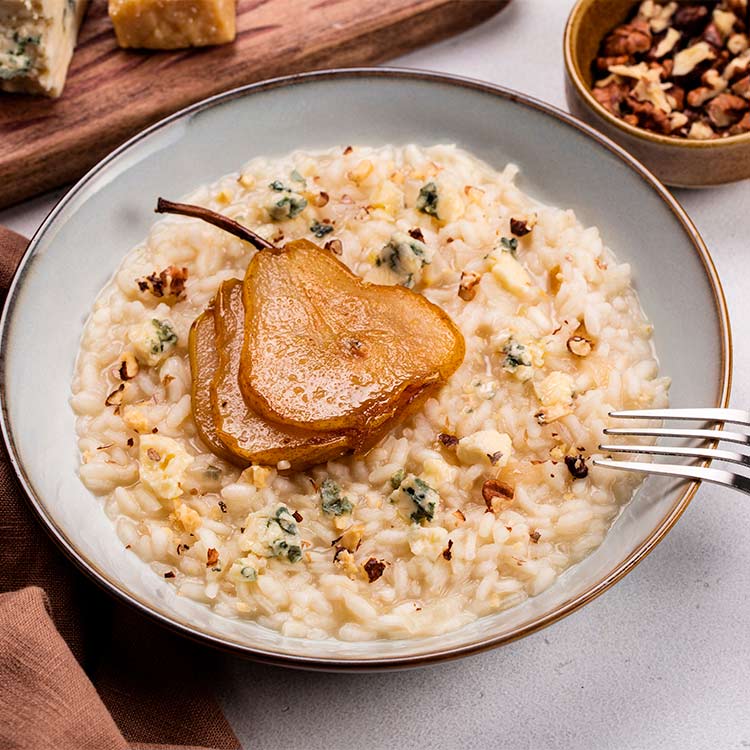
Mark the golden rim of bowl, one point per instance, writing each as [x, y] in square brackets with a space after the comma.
[195, 632]
[575, 74]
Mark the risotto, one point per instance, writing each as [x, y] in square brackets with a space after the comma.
[474, 503]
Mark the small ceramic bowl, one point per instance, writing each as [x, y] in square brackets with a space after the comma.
[680, 162]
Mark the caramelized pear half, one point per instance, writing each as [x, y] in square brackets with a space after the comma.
[204, 362]
[325, 350]
[248, 435]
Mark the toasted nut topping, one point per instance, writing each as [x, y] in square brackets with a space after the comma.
[128, 367]
[334, 246]
[579, 346]
[467, 287]
[666, 45]
[737, 43]
[698, 52]
[521, 227]
[577, 466]
[687, 59]
[628, 39]
[725, 109]
[116, 397]
[212, 557]
[374, 569]
[167, 283]
[700, 131]
[497, 495]
[449, 441]
[743, 126]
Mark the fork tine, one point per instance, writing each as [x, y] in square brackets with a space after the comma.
[705, 415]
[663, 450]
[729, 437]
[700, 473]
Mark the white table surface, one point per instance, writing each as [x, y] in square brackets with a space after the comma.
[660, 661]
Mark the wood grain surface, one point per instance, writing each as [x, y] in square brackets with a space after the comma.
[112, 93]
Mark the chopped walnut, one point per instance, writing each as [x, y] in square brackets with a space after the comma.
[127, 368]
[686, 60]
[522, 227]
[690, 80]
[449, 441]
[743, 126]
[467, 287]
[116, 397]
[169, 283]
[212, 557]
[577, 466]
[725, 109]
[611, 96]
[374, 569]
[334, 246]
[723, 21]
[666, 45]
[737, 43]
[689, 18]
[714, 85]
[662, 16]
[701, 131]
[628, 39]
[497, 495]
[742, 87]
[713, 36]
[579, 346]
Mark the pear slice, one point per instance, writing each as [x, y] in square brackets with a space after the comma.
[246, 434]
[204, 361]
[325, 350]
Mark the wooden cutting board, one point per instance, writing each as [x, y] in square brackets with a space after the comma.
[112, 93]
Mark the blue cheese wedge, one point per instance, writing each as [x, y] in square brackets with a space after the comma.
[37, 38]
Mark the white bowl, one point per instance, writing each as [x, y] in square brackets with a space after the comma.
[563, 162]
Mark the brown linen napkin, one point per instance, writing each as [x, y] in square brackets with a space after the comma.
[79, 671]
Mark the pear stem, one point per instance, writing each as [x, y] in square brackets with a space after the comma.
[163, 206]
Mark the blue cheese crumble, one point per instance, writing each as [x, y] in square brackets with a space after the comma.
[405, 256]
[273, 533]
[416, 498]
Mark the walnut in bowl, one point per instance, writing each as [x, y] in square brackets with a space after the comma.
[669, 81]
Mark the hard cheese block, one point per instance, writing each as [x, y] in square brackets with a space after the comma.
[171, 24]
[37, 38]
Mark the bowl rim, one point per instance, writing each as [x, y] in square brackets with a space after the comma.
[109, 583]
[575, 75]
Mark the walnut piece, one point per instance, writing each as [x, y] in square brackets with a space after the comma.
[167, 283]
[686, 60]
[628, 39]
[467, 287]
[725, 109]
[497, 495]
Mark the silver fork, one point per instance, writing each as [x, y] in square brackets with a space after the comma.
[704, 473]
